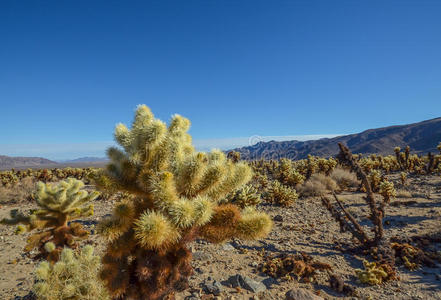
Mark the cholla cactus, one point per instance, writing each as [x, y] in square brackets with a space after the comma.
[245, 196]
[403, 178]
[74, 276]
[326, 165]
[175, 195]
[281, 194]
[375, 179]
[372, 274]
[287, 174]
[387, 190]
[58, 204]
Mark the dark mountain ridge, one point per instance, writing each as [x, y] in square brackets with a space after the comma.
[422, 137]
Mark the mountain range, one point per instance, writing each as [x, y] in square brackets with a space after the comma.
[19, 162]
[8, 162]
[422, 137]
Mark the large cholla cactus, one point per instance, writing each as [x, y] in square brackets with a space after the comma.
[58, 204]
[175, 195]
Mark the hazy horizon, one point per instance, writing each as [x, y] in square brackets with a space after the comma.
[62, 152]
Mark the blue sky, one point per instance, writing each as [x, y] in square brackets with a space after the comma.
[71, 70]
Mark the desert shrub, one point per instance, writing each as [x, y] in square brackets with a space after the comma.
[74, 276]
[58, 204]
[174, 198]
[344, 178]
[281, 194]
[22, 191]
[319, 184]
[245, 196]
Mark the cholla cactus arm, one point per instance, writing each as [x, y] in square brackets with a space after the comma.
[174, 197]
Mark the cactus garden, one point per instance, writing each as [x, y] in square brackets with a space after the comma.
[165, 221]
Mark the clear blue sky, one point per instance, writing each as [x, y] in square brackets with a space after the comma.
[71, 70]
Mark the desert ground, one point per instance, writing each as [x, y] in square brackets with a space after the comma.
[305, 227]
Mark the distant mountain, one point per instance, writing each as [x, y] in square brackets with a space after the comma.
[86, 159]
[422, 137]
[8, 162]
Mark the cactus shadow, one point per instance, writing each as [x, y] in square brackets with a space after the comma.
[85, 222]
[400, 221]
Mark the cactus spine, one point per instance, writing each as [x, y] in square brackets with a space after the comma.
[175, 195]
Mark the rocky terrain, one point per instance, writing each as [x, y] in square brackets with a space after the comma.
[232, 270]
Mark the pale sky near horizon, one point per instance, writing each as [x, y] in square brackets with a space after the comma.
[71, 70]
[59, 152]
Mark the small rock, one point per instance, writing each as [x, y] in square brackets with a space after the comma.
[253, 285]
[227, 247]
[246, 283]
[278, 218]
[269, 281]
[301, 294]
[233, 281]
[214, 288]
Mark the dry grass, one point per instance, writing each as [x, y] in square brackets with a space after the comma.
[317, 185]
[345, 179]
[20, 192]
[403, 194]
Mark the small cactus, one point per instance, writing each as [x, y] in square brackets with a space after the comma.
[387, 190]
[58, 204]
[74, 276]
[375, 180]
[403, 178]
[372, 274]
[245, 196]
[281, 194]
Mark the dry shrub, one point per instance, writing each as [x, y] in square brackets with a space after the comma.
[20, 192]
[319, 184]
[345, 179]
[403, 194]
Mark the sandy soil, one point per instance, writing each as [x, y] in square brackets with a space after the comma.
[305, 227]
